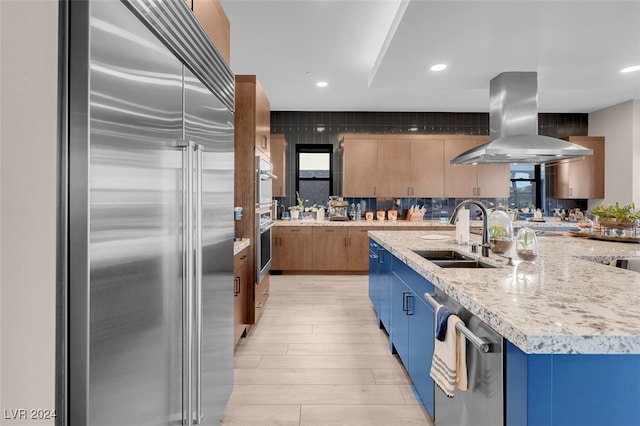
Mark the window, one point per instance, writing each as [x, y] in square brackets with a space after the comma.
[525, 186]
[314, 172]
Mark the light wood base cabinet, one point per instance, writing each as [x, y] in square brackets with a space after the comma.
[292, 248]
[241, 293]
[260, 296]
[329, 248]
[358, 248]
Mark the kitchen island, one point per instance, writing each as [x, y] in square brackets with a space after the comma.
[571, 323]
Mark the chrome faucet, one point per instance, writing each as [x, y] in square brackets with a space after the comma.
[486, 245]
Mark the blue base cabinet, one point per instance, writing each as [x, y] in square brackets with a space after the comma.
[373, 276]
[572, 389]
[379, 285]
[412, 328]
[540, 390]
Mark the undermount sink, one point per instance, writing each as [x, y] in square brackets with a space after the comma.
[461, 264]
[441, 255]
[451, 259]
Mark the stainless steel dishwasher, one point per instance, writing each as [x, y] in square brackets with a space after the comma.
[483, 402]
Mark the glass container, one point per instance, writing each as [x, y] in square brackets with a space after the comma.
[500, 231]
[527, 244]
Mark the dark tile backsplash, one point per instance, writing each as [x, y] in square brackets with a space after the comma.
[304, 127]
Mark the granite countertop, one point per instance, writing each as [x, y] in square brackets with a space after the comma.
[238, 246]
[547, 225]
[372, 223]
[568, 301]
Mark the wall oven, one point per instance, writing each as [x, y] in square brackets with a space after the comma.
[264, 184]
[264, 225]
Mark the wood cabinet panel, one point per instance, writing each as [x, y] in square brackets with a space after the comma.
[242, 294]
[418, 166]
[260, 296]
[358, 248]
[292, 246]
[329, 248]
[467, 180]
[394, 168]
[582, 177]
[427, 168]
[247, 129]
[360, 172]
[278, 161]
[460, 180]
[215, 22]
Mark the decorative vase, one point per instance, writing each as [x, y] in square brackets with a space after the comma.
[295, 214]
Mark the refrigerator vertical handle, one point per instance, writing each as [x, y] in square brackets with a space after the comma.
[198, 284]
[187, 148]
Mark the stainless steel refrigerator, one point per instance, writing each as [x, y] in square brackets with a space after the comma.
[150, 217]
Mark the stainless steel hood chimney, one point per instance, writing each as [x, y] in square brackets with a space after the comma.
[513, 121]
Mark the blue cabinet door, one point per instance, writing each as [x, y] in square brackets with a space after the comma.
[421, 335]
[384, 288]
[399, 333]
[373, 276]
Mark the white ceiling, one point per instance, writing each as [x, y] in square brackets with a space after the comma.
[376, 54]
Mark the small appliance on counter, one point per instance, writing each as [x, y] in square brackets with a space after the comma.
[338, 209]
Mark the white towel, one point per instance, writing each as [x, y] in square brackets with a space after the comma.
[449, 364]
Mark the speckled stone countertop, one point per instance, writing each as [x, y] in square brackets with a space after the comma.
[238, 246]
[373, 223]
[547, 225]
[569, 301]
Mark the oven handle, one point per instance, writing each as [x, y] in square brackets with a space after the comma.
[266, 175]
[267, 227]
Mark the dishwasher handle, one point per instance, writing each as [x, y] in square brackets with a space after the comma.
[478, 342]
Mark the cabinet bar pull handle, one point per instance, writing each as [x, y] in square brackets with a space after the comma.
[481, 344]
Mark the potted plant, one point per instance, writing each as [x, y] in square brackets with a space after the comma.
[615, 216]
[297, 208]
[500, 231]
[527, 244]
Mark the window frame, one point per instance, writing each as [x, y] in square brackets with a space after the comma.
[314, 149]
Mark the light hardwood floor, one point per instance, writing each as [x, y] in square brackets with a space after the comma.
[316, 357]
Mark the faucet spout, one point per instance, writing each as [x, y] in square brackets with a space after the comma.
[486, 245]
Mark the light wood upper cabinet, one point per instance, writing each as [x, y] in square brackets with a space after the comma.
[255, 113]
[467, 180]
[582, 177]
[215, 22]
[394, 168]
[427, 168]
[418, 166]
[360, 171]
[410, 167]
[278, 161]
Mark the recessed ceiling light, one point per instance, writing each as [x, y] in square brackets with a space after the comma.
[438, 67]
[322, 84]
[631, 69]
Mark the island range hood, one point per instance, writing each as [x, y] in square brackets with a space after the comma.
[513, 121]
